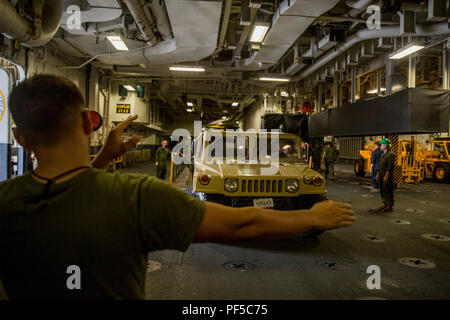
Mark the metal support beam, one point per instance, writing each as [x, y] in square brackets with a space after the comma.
[412, 72]
[379, 75]
[388, 76]
[353, 84]
[245, 13]
[407, 22]
[445, 67]
[225, 23]
[319, 96]
[335, 92]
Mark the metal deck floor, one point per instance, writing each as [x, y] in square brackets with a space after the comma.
[332, 267]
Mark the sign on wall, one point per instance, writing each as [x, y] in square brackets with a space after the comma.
[123, 108]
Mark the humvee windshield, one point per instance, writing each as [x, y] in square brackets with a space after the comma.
[247, 148]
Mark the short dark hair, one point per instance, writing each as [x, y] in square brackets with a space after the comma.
[45, 107]
[377, 143]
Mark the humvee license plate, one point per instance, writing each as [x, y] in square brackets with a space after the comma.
[263, 203]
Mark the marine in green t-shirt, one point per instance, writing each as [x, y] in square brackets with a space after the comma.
[385, 176]
[69, 231]
[104, 223]
[162, 158]
[329, 156]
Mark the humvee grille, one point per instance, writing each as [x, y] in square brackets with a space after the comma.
[261, 186]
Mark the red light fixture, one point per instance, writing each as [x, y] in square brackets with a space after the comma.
[317, 181]
[204, 179]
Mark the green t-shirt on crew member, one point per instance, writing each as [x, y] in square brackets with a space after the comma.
[330, 154]
[387, 163]
[101, 222]
[162, 154]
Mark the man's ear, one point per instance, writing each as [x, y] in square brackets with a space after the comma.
[87, 122]
[21, 140]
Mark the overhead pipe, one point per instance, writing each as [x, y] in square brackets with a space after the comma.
[158, 8]
[52, 12]
[14, 26]
[367, 34]
[224, 26]
[11, 24]
[144, 22]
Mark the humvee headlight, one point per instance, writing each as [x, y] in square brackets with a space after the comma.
[307, 180]
[231, 185]
[292, 185]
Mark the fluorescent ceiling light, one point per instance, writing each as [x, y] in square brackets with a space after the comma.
[187, 68]
[129, 88]
[375, 90]
[224, 117]
[118, 43]
[189, 110]
[406, 51]
[235, 104]
[270, 78]
[189, 104]
[259, 32]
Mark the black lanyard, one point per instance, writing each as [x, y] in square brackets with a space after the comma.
[51, 181]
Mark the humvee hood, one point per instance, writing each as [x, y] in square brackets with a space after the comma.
[287, 169]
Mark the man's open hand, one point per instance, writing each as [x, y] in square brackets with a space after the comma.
[330, 214]
[114, 146]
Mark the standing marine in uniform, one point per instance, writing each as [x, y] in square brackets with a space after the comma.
[329, 156]
[162, 154]
[375, 164]
[385, 176]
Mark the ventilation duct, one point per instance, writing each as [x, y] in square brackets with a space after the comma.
[99, 12]
[366, 34]
[291, 19]
[195, 28]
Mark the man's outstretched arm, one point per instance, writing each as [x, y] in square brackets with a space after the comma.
[222, 223]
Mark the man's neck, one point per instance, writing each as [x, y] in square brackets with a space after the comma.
[55, 160]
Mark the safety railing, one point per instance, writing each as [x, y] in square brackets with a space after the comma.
[175, 169]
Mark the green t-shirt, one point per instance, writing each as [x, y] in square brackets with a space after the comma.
[162, 154]
[387, 163]
[101, 222]
[330, 154]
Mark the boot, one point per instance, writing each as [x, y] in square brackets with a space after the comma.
[388, 208]
[381, 208]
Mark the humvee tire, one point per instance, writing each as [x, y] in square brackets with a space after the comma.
[358, 167]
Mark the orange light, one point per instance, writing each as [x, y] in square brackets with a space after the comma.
[204, 179]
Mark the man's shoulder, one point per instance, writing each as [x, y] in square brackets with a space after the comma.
[120, 179]
[11, 183]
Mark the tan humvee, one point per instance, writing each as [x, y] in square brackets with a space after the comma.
[238, 182]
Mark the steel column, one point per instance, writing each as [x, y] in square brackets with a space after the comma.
[411, 71]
